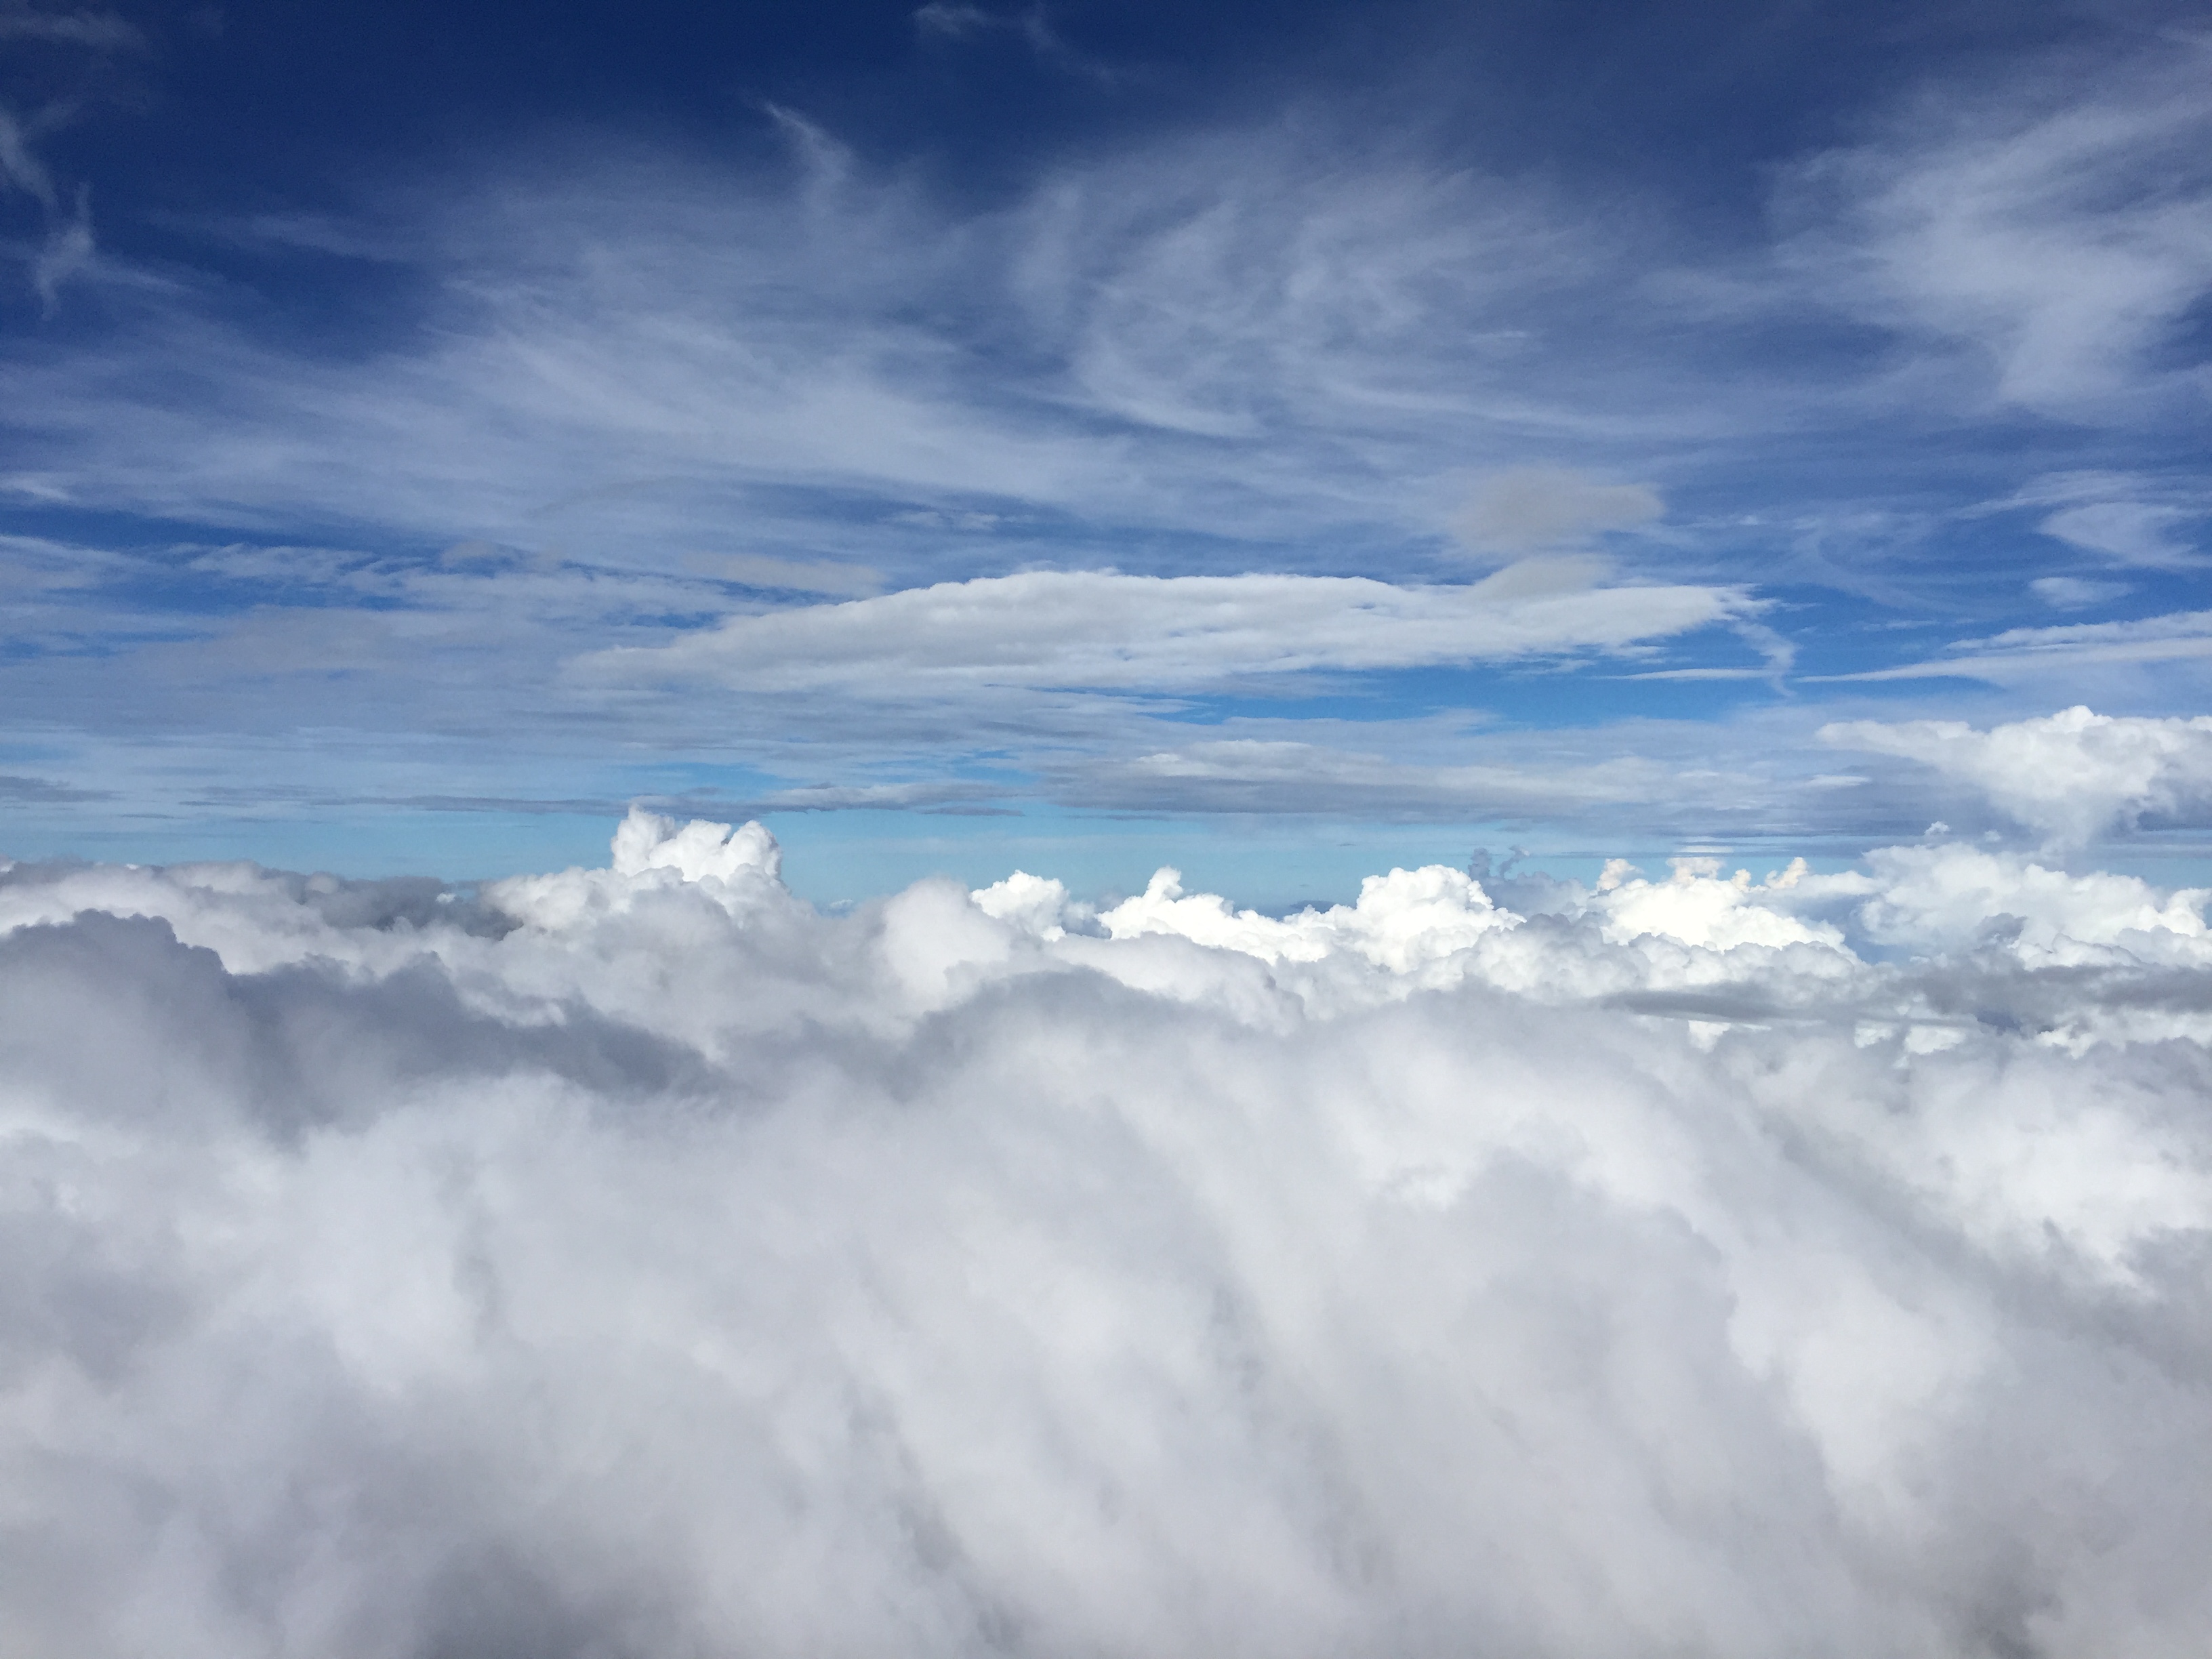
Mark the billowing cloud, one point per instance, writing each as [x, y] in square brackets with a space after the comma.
[636, 1261]
[1100, 629]
[2071, 774]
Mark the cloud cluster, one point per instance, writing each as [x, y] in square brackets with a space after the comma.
[637, 1261]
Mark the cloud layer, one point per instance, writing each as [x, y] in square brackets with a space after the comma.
[635, 1260]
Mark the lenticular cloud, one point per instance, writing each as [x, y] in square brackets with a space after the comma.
[637, 1261]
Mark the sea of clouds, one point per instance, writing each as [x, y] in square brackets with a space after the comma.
[640, 1262]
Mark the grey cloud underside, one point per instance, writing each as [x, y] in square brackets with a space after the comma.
[639, 1262]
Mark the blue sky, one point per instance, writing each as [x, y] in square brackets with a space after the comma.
[1284, 441]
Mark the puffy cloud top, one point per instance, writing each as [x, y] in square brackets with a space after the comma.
[638, 1261]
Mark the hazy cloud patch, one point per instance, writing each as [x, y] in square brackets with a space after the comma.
[1536, 509]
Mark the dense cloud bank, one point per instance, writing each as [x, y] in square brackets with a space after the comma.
[637, 1261]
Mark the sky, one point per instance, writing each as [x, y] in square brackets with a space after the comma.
[1286, 442]
[1127, 831]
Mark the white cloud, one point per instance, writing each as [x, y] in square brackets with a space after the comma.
[383, 1277]
[636, 351]
[101, 31]
[2051, 229]
[2071, 775]
[2031, 653]
[20, 167]
[2129, 532]
[1099, 629]
[2076, 592]
[67, 249]
[1698, 908]
[67, 246]
[1407, 921]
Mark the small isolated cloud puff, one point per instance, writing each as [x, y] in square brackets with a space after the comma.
[1104, 631]
[1533, 509]
[637, 1261]
[2071, 775]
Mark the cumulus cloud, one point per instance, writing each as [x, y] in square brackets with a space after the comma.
[1103, 629]
[2072, 775]
[636, 1260]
